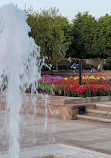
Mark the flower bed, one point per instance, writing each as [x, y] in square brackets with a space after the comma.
[91, 86]
[50, 79]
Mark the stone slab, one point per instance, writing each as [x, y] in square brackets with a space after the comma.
[57, 106]
[98, 99]
[87, 135]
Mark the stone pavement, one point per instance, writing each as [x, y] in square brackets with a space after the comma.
[87, 135]
[58, 151]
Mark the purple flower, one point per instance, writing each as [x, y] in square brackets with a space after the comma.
[50, 79]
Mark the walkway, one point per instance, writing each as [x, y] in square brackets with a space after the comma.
[87, 135]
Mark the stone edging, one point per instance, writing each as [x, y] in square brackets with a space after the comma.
[98, 99]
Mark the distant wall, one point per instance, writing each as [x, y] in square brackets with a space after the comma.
[95, 62]
[68, 62]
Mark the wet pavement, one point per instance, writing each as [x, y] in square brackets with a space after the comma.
[82, 134]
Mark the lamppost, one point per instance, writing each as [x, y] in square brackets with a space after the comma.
[80, 70]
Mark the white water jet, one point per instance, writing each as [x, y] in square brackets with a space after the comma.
[19, 63]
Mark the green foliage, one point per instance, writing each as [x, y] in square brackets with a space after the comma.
[85, 37]
[91, 37]
[68, 37]
[107, 66]
[102, 38]
[83, 33]
[47, 28]
[46, 86]
[108, 60]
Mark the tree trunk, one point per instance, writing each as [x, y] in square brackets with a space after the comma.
[101, 62]
[56, 66]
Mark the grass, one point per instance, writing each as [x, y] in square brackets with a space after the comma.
[45, 86]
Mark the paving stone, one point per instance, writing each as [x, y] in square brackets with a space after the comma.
[87, 135]
[93, 136]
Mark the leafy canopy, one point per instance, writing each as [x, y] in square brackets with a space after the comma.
[47, 28]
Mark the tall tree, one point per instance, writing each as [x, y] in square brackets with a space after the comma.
[47, 28]
[102, 37]
[101, 47]
[83, 33]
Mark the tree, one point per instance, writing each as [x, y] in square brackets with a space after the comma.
[68, 38]
[47, 28]
[83, 33]
[101, 46]
[102, 38]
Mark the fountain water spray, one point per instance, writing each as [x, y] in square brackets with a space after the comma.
[19, 63]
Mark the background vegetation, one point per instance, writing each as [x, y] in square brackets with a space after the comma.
[84, 37]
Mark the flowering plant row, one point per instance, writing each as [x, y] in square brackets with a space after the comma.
[85, 77]
[89, 87]
[50, 79]
[69, 86]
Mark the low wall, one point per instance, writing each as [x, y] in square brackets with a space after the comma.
[57, 106]
[98, 99]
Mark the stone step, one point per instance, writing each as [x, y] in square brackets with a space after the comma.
[102, 106]
[94, 118]
[95, 112]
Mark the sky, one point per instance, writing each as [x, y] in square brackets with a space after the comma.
[67, 8]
